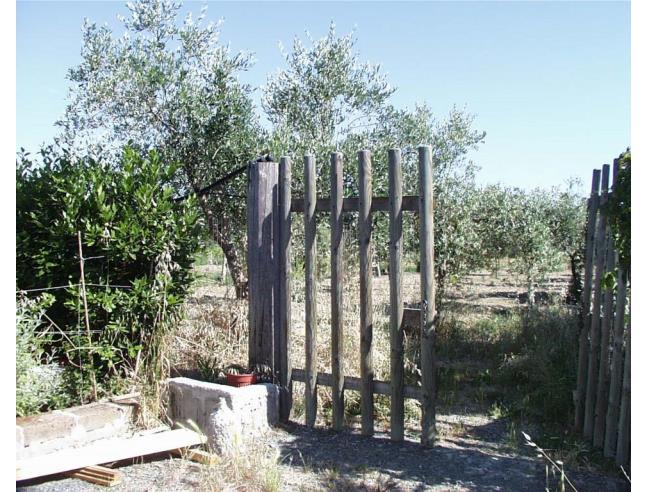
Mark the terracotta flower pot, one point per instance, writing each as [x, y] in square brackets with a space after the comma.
[238, 380]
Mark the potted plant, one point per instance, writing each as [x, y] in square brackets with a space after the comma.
[239, 376]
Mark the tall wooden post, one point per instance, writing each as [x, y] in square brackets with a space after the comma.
[366, 304]
[428, 308]
[263, 271]
[310, 251]
[397, 417]
[337, 280]
[285, 368]
[595, 328]
[586, 318]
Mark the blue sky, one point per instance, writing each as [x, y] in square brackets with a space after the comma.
[548, 81]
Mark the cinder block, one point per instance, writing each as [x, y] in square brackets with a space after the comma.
[46, 427]
[100, 415]
[20, 439]
[228, 416]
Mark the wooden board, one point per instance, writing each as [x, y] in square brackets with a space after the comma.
[99, 475]
[105, 451]
[196, 455]
[354, 384]
[351, 204]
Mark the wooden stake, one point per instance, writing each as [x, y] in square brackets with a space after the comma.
[87, 319]
[310, 195]
[397, 414]
[366, 303]
[428, 308]
[337, 281]
[586, 318]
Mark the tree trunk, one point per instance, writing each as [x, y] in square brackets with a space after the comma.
[219, 229]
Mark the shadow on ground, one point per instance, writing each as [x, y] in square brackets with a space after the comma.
[349, 461]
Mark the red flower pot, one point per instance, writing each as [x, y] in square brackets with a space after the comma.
[238, 380]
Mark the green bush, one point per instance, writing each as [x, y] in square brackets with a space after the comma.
[138, 243]
[38, 386]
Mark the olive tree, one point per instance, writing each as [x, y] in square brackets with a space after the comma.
[327, 99]
[171, 85]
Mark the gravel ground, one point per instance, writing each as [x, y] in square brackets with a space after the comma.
[477, 458]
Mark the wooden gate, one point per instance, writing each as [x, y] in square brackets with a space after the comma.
[270, 209]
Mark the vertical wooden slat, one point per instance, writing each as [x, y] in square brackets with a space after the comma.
[428, 309]
[285, 374]
[337, 279]
[586, 319]
[263, 269]
[397, 413]
[604, 355]
[616, 377]
[366, 305]
[623, 438]
[310, 199]
[595, 334]
[602, 391]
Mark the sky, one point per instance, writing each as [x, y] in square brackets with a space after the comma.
[549, 82]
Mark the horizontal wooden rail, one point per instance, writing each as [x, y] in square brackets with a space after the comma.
[350, 204]
[352, 383]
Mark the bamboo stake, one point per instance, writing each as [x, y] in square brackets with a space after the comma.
[87, 318]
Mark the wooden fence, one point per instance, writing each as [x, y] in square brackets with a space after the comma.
[270, 206]
[602, 395]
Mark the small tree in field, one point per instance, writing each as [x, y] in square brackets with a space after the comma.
[171, 86]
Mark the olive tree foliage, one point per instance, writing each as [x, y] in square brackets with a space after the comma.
[169, 84]
[327, 100]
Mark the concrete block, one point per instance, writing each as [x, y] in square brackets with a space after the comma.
[229, 417]
[99, 415]
[46, 426]
[20, 439]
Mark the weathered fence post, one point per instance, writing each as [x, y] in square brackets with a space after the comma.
[397, 416]
[310, 202]
[366, 304]
[623, 437]
[428, 308]
[616, 377]
[285, 368]
[595, 328]
[337, 280]
[586, 318]
[263, 272]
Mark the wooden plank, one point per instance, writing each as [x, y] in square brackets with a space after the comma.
[284, 304]
[428, 309]
[337, 281]
[623, 437]
[366, 304]
[595, 333]
[99, 475]
[105, 451]
[352, 204]
[196, 455]
[603, 382]
[262, 264]
[616, 374]
[310, 250]
[352, 383]
[397, 402]
[586, 318]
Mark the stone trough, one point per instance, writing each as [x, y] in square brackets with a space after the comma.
[229, 417]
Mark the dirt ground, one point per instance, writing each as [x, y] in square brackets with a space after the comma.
[477, 449]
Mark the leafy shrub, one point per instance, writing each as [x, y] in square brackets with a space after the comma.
[138, 244]
[38, 385]
[618, 210]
